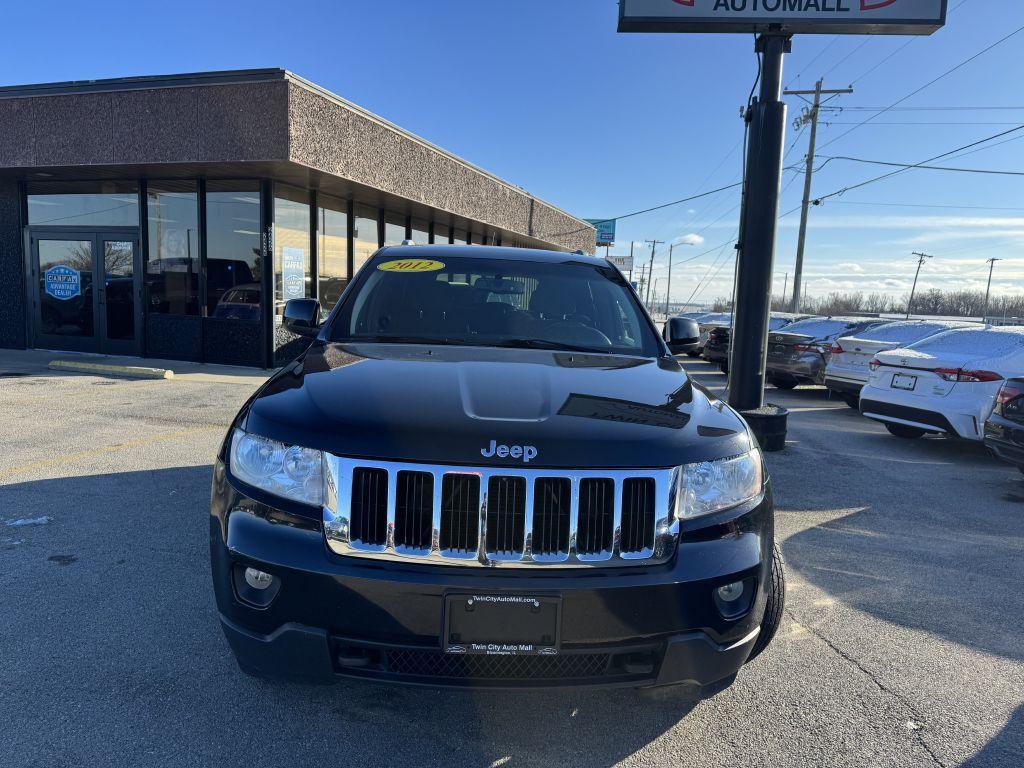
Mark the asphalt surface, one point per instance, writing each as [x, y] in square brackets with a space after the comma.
[903, 641]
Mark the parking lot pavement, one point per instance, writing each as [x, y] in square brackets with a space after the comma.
[903, 643]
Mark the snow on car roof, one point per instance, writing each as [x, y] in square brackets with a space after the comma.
[820, 327]
[911, 331]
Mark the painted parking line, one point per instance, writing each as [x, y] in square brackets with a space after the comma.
[108, 449]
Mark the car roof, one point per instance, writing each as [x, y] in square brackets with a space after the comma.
[485, 252]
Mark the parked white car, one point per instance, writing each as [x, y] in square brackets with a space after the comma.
[847, 369]
[945, 384]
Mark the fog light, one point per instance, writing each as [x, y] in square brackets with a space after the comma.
[728, 593]
[260, 580]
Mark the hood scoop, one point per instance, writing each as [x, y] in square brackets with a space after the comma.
[514, 393]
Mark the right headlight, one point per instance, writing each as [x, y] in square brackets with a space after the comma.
[289, 471]
[710, 486]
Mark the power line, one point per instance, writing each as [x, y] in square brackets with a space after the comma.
[924, 109]
[908, 166]
[926, 85]
[920, 124]
[923, 205]
[819, 200]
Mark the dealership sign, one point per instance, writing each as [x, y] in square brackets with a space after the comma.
[894, 17]
[625, 263]
[63, 282]
[605, 230]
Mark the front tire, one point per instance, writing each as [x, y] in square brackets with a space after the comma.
[852, 401]
[773, 608]
[905, 432]
[784, 383]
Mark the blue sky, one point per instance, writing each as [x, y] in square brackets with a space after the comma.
[544, 93]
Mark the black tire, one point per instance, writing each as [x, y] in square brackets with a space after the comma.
[853, 401]
[905, 432]
[724, 367]
[784, 383]
[773, 608]
[693, 354]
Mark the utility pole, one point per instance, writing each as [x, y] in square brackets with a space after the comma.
[785, 285]
[991, 266]
[920, 260]
[650, 271]
[668, 290]
[812, 118]
[631, 261]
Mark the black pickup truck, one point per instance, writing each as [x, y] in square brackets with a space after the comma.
[488, 469]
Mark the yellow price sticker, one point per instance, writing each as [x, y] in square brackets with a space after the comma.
[411, 265]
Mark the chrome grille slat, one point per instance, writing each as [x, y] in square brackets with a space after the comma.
[441, 515]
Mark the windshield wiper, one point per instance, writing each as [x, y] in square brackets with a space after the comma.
[544, 344]
[404, 340]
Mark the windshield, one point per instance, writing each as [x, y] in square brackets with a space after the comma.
[568, 305]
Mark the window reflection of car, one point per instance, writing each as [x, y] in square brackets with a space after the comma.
[239, 303]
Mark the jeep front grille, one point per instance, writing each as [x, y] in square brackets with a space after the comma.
[500, 515]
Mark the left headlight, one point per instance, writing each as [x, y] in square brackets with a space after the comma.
[711, 486]
[289, 471]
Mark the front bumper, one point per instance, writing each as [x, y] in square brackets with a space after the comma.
[807, 367]
[715, 354]
[336, 616]
[1005, 439]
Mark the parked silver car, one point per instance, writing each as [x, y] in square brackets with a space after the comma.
[798, 353]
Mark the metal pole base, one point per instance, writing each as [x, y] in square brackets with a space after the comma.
[768, 423]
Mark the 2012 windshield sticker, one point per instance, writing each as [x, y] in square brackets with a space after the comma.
[411, 265]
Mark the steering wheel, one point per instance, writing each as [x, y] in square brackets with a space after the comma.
[575, 332]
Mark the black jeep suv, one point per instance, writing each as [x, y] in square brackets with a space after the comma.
[488, 469]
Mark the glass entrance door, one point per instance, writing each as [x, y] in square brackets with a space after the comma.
[85, 291]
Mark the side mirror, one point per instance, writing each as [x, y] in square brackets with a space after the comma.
[302, 317]
[680, 333]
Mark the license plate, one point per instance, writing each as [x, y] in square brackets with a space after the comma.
[902, 381]
[502, 625]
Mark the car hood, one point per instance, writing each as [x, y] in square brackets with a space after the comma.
[445, 405]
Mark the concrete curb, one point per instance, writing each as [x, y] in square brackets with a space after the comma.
[132, 371]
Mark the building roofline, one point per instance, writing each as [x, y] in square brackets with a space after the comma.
[237, 76]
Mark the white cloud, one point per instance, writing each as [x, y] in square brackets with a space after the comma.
[690, 239]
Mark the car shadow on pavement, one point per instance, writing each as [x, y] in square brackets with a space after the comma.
[944, 568]
[1006, 749]
[115, 631]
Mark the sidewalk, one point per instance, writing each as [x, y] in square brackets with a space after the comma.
[36, 362]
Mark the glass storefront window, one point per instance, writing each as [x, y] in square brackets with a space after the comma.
[459, 237]
[394, 229]
[365, 238]
[233, 253]
[420, 232]
[332, 250]
[172, 273]
[442, 234]
[84, 204]
[292, 273]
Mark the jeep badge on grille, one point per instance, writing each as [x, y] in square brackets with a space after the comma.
[524, 452]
